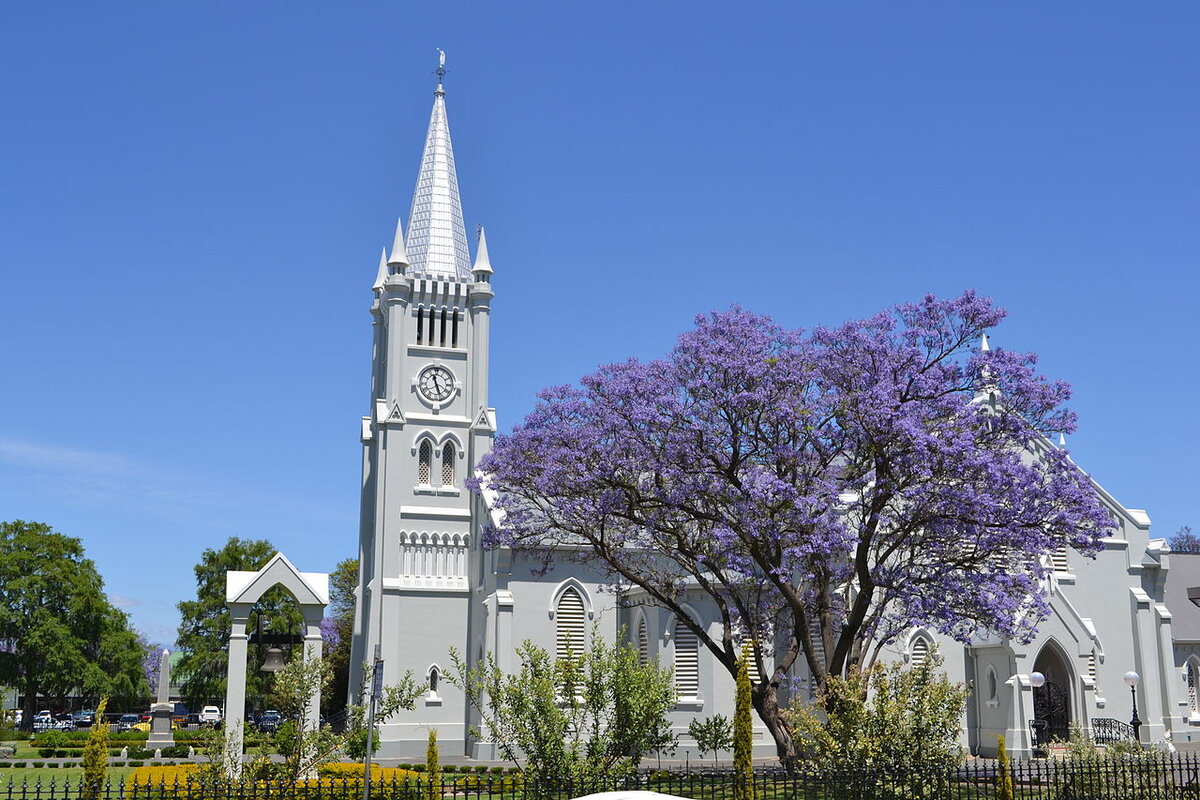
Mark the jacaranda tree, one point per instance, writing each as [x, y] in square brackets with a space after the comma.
[825, 490]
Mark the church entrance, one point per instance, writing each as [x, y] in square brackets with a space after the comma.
[1052, 700]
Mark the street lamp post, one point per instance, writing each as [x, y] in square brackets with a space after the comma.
[1132, 679]
[1040, 728]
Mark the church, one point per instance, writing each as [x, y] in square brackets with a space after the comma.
[426, 584]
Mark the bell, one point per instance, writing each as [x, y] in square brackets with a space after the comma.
[274, 661]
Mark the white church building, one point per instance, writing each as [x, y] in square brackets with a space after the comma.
[426, 584]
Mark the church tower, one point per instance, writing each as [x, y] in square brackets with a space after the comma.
[419, 553]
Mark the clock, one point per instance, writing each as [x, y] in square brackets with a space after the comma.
[436, 383]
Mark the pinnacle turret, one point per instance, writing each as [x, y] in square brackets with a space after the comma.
[482, 269]
[399, 257]
[381, 276]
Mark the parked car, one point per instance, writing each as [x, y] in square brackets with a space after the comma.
[83, 719]
[64, 722]
[210, 715]
[270, 721]
[128, 722]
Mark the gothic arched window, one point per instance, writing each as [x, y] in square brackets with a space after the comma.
[687, 661]
[433, 678]
[424, 463]
[569, 623]
[448, 464]
[918, 651]
[643, 637]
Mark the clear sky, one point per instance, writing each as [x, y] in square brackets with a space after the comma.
[193, 198]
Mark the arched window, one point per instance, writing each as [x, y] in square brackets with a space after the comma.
[569, 621]
[993, 685]
[434, 676]
[643, 642]
[448, 464]
[1192, 680]
[687, 661]
[424, 463]
[918, 651]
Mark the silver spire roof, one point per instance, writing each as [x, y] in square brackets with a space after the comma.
[437, 238]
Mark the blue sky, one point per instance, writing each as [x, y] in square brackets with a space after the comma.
[193, 199]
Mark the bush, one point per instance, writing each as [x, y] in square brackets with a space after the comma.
[46, 752]
[134, 763]
[141, 752]
[176, 751]
[450, 768]
[7, 752]
[891, 718]
[5, 765]
[118, 763]
[51, 739]
[53, 765]
[37, 765]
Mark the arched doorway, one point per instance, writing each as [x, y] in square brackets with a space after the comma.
[1052, 700]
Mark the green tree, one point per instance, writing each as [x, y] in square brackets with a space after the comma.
[743, 732]
[204, 627]
[95, 756]
[433, 768]
[59, 635]
[711, 734]
[1004, 780]
[339, 632]
[401, 695]
[572, 720]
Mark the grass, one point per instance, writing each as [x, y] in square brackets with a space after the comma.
[72, 774]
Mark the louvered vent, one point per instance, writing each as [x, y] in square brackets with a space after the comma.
[424, 459]
[752, 664]
[919, 653]
[1092, 667]
[1193, 703]
[818, 644]
[569, 618]
[448, 465]
[643, 642]
[687, 661]
[1058, 560]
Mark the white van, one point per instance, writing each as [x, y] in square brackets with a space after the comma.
[210, 715]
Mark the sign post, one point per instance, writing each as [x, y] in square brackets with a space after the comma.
[376, 693]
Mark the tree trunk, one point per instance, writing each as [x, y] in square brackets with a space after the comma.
[766, 703]
[29, 708]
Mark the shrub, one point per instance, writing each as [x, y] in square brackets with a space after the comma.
[176, 751]
[65, 753]
[5, 765]
[51, 739]
[53, 765]
[118, 763]
[46, 752]
[95, 756]
[450, 768]
[140, 752]
[37, 765]
[1004, 781]
[7, 752]
[890, 718]
[743, 732]
[134, 763]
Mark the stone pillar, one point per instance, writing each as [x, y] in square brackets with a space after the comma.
[235, 686]
[312, 652]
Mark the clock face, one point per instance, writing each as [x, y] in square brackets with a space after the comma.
[436, 383]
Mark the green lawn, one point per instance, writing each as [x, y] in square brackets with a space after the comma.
[73, 774]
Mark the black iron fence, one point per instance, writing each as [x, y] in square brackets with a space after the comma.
[1142, 778]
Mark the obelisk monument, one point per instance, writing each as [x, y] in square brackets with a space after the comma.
[160, 712]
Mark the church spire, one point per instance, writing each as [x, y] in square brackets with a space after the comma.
[437, 238]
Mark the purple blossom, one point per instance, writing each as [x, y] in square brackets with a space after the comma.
[826, 489]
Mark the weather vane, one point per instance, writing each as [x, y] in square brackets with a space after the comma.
[441, 70]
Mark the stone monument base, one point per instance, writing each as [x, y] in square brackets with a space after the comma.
[160, 726]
